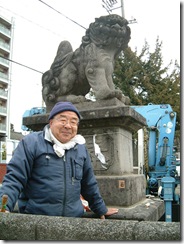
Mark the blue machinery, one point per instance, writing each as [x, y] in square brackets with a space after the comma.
[162, 176]
[33, 111]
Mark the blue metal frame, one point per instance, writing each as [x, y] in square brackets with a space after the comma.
[161, 122]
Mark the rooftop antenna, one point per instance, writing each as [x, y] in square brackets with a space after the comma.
[109, 6]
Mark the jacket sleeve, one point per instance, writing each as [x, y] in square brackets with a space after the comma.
[18, 171]
[90, 190]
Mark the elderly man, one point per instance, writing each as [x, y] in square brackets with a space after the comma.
[51, 169]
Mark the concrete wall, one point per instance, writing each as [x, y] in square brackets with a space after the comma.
[32, 227]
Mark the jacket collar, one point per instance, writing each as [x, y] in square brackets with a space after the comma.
[47, 136]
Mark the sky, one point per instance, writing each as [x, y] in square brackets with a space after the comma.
[38, 30]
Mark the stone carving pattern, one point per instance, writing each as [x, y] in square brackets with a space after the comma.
[106, 145]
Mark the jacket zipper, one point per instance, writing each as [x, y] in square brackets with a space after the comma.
[73, 172]
[64, 199]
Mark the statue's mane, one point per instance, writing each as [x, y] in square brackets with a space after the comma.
[107, 31]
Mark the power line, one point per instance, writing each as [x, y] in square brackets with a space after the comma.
[39, 26]
[112, 2]
[62, 14]
[22, 65]
[32, 22]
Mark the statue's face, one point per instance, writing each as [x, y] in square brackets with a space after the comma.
[64, 126]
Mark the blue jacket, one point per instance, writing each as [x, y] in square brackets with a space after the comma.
[46, 184]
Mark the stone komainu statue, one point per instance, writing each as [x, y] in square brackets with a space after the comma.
[73, 73]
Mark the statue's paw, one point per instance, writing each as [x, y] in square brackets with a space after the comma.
[121, 97]
[125, 100]
[118, 94]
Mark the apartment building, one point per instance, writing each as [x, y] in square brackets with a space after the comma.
[6, 34]
[6, 41]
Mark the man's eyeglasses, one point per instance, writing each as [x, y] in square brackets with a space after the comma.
[63, 121]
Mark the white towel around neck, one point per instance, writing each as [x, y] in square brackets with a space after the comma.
[59, 148]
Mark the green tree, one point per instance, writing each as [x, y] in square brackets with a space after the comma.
[144, 79]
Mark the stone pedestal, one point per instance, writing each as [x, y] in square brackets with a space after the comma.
[111, 125]
[122, 191]
[115, 144]
[108, 125]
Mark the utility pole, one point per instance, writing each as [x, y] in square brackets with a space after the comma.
[122, 9]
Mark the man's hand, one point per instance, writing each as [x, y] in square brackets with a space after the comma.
[110, 212]
[4, 202]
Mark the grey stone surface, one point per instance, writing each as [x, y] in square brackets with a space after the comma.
[85, 230]
[116, 146]
[20, 227]
[17, 226]
[145, 210]
[124, 190]
[157, 231]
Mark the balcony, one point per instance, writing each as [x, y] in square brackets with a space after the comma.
[5, 31]
[4, 78]
[3, 110]
[5, 47]
[2, 127]
[3, 94]
[4, 62]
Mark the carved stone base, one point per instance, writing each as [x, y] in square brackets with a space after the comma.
[116, 147]
[111, 128]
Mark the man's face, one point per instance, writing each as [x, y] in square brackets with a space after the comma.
[64, 126]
